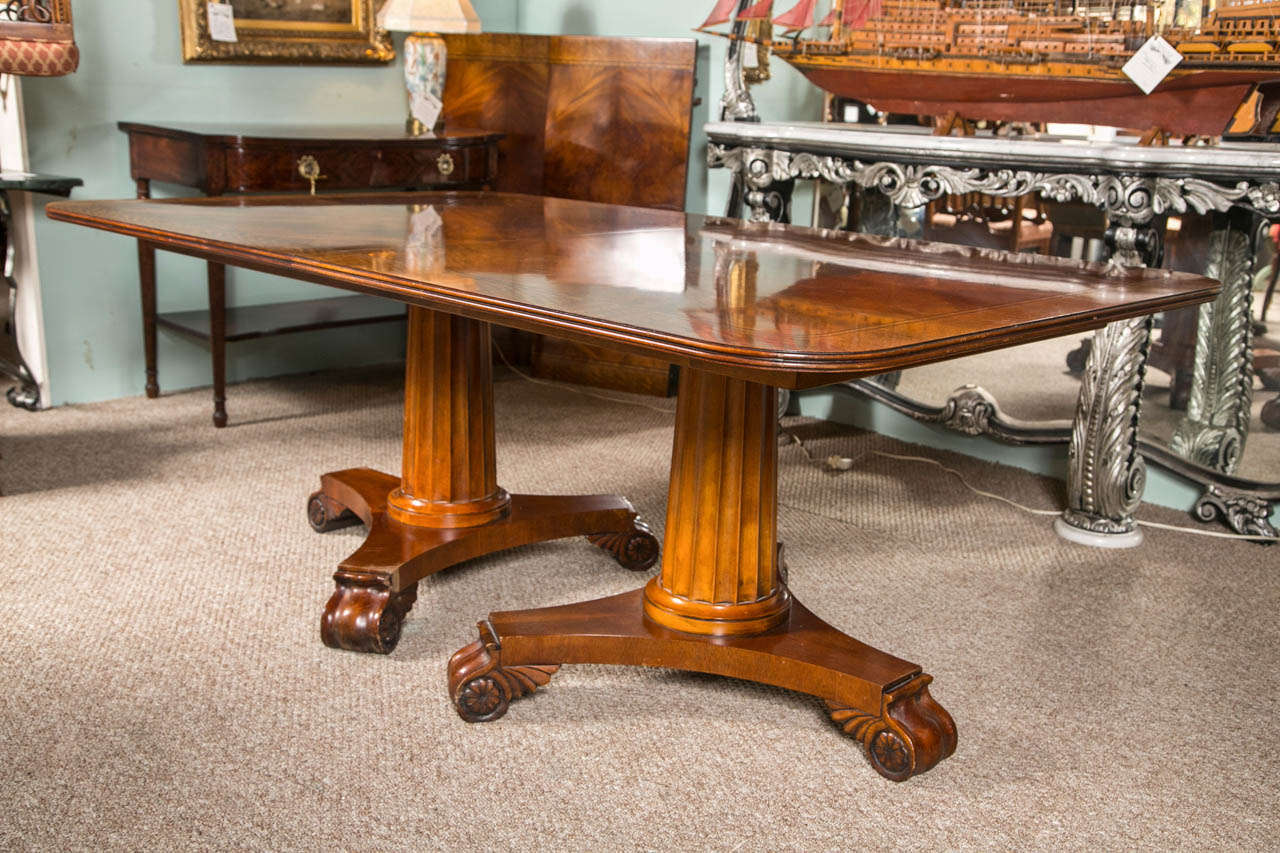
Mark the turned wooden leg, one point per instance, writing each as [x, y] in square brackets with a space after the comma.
[446, 507]
[147, 285]
[218, 340]
[720, 604]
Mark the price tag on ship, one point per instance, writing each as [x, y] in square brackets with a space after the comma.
[222, 23]
[1151, 63]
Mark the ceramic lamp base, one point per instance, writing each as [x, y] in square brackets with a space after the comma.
[424, 68]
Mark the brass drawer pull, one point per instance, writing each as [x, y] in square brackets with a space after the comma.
[309, 168]
[445, 164]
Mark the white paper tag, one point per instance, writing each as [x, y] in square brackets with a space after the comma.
[1151, 63]
[222, 23]
[425, 107]
[750, 55]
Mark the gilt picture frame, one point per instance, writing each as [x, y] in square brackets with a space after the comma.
[287, 31]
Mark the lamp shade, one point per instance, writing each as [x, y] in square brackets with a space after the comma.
[430, 16]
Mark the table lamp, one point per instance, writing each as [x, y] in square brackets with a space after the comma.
[425, 52]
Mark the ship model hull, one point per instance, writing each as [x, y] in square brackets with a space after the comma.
[1029, 60]
[1199, 103]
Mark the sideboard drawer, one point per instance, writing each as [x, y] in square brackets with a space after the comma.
[348, 167]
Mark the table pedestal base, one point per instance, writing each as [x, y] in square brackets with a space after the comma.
[720, 605]
[378, 584]
[879, 699]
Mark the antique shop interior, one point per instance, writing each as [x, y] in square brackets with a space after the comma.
[609, 383]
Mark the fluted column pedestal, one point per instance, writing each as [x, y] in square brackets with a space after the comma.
[720, 604]
[720, 570]
[446, 507]
[449, 470]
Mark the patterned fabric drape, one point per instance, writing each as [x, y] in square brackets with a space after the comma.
[36, 38]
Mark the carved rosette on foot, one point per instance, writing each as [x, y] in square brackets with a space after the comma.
[481, 688]
[910, 735]
[635, 549]
[364, 615]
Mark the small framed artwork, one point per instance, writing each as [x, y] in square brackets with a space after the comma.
[287, 31]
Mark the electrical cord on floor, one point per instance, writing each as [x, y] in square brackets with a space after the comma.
[836, 462]
[843, 463]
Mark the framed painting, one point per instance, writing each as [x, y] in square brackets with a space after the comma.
[290, 31]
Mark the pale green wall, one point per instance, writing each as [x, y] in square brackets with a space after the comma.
[131, 69]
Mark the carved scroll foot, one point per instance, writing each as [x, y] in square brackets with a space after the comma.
[376, 583]
[325, 514]
[482, 688]
[881, 699]
[635, 549]
[364, 615]
[1244, 514]
[910, 735]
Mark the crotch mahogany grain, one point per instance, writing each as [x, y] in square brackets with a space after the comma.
[741, 307]
[584, 117]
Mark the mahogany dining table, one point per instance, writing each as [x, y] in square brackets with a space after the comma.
[743, 308]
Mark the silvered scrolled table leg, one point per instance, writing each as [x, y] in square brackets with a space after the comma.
[768, 200]
[1216, 424]
[26, 394]
[1106, 473]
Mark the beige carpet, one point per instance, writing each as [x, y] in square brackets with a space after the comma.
[164, 687]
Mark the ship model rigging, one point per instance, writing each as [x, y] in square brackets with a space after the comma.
[1028, 60]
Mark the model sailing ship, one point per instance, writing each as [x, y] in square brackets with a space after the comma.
[1030, 60]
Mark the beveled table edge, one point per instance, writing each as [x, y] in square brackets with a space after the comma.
[785, 369]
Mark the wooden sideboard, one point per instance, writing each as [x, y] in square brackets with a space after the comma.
[218, 159]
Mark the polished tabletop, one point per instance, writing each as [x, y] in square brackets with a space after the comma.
[781, 304]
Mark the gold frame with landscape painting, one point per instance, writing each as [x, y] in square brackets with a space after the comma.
[292, 31]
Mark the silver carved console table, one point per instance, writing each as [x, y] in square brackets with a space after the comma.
[1138, 188]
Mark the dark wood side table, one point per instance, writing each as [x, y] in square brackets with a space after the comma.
[218, 159]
